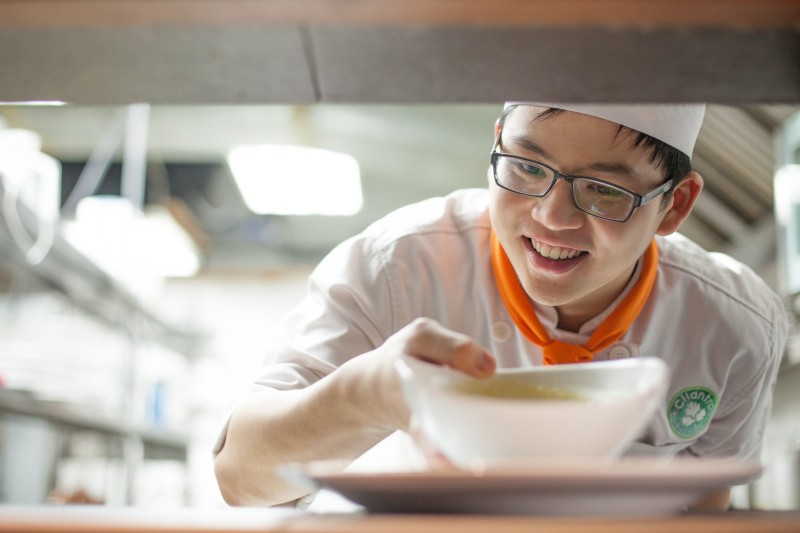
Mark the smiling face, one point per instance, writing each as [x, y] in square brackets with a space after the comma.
[564, 257]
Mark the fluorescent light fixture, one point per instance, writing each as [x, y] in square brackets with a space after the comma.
[41, 103]
[130, 244]
[296, 180]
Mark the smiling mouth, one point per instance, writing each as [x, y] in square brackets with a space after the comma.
[555, 252]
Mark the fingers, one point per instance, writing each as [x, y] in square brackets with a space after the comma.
[429, 340]
[372, 383]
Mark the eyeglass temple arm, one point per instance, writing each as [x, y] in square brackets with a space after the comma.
[656, 192]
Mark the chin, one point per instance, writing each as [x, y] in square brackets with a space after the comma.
[547, 294]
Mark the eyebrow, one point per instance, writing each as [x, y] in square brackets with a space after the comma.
[621, 170]
[529, 145]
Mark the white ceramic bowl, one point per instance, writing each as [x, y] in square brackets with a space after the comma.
[616, 401]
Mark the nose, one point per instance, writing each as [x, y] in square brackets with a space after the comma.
[557, 210]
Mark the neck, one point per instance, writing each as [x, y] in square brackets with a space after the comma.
[573, 315]
[571, 321]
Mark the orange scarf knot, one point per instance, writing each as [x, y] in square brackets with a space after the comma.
[558, 353]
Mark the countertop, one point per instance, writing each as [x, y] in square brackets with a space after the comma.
[88, 519]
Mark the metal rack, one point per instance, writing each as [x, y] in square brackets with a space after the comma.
[67, 271]
[87, 286]
[164, 443]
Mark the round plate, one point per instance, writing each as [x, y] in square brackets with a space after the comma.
[628, 487]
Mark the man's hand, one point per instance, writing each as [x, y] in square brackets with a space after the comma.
[339, 417]
[427, 339]
[370, 382]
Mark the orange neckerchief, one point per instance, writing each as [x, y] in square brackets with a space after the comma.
[606, 334]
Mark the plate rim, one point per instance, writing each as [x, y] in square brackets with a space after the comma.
[631, 472]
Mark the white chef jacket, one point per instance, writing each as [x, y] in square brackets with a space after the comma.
[717, 325]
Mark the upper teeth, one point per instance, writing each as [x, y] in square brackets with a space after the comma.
[554, 252]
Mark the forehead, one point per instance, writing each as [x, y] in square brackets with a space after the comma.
[573, 136]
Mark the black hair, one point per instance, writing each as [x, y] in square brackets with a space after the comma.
[675, 164]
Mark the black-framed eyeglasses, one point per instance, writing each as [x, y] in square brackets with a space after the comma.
[596, 197]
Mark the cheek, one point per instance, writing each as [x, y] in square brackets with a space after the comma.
[647, 219]
[615, 241]
[505, 210]
[623, 247]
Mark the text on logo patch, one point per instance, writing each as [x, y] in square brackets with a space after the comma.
[690, 411]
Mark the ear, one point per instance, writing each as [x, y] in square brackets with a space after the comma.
[496, 128]
[680, 206]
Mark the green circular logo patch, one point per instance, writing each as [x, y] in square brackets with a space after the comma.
[690, 410]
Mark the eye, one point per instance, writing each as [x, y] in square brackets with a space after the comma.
[532, 169]
[606, 191]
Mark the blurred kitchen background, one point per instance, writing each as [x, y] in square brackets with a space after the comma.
[139, 287]
[130, 320]
[140, 276]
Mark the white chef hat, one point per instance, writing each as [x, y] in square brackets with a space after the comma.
[675, 124]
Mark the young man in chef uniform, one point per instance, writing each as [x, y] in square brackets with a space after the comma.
[571, 254]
